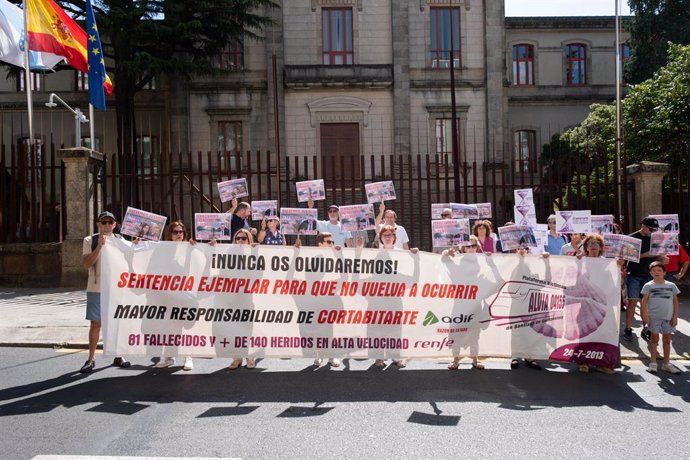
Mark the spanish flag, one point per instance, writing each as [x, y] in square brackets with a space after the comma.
[50, 29]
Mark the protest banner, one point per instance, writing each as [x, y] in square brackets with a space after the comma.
[523, 197]
[484, 210]
[574, 221]
[212, 226]
[448, 233]
[357, 217]
[379, 191]
[233, 188]
[622, 247]
[298, 221]
[668, 223]
[664, 244]
[143, 224]
[310, 190]
[602, 224]
[516, 237]
[437, 210]
[171, 299]
[263, 209]
[464, 211]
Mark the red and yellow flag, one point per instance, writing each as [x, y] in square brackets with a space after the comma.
[52, 30]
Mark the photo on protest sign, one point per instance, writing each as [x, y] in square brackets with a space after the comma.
[602, 224]
[233, 188]
[212, 226]
[516, 237]
[622, 247]
[314, 190]
[142, 224]
[525, 215]
[523, 197]
[357, 217]
[574, 221]
[437, 210]
[664, 244]
[450, 232]
[464, 211]
[379, 191]
[298, 221]
[484, 210]
[264, 209]
[668, 223]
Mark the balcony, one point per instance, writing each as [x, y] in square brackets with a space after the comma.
[368, 76]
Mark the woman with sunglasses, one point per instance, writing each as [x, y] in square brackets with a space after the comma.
[176, 232]
[474, 247]
[243, 236]
[270, 234]
[386, 239]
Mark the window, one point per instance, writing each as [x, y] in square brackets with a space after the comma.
[81, 81]
[337, 36]
[35, 81]
[229, 142]
[525, 154]
[232, 56]
[444, 136]
[147, 147]
[523, 64]
[625, 56]
[576, 64]
[440, 37]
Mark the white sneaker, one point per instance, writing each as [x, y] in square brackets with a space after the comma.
[670, 368]
[653, 368]
[317, 362]
[188, 364]
[165, 362]
[334, 362]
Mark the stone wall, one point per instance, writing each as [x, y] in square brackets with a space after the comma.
[31, 265]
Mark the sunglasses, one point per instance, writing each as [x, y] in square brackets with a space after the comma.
[446, 215]
[178, 232]
[329, 241]
[107, 222]
[241, 238]
[474, 245]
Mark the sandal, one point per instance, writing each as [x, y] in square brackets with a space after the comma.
[584, 368]
[532, 364]
[453, 365]
[235, 364]
[121, 362]
[514, 363]
[606, 370]
[379, 363]
[478, 365]
[251, 363]
[401, 363]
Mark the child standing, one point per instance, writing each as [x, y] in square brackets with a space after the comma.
[660, 311]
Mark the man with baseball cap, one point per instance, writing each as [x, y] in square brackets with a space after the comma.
[333, 226]
[638, 274]
[91, 259]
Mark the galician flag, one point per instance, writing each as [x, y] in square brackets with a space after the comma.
[13, 40]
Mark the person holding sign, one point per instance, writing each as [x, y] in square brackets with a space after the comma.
[325, 240]
[240, 218]
[270, 234]
[91, 259]
[389, 217]
[333, 226]
[638, 274]
[243, 236]
[482, 230]
[574, 247]
[555, 241]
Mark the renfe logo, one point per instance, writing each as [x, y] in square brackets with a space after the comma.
[431, 318]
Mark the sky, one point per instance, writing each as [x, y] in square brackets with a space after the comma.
[565, 7]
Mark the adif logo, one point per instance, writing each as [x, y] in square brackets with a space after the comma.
[430, 318]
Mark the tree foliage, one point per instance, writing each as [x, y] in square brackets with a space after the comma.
[654, 25]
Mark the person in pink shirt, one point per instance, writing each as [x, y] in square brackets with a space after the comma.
[482, 230]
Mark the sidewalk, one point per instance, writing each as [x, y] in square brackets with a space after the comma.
[55, 318]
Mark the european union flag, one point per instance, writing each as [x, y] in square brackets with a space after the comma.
[96, 61]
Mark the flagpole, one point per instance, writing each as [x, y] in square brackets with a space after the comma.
[91, 134]
[27, 76]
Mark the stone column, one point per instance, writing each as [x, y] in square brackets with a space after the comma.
[81, 166]
[647, 177]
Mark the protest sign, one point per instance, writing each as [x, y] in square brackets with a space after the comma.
[143, 224]
[664, 244]
[263, 209]
[310, 190]
[212, 226]
[464, 211]
[357, 217]
[450, 232]
[233, 188]
[484, 210]
[602, 224]
[437, 210]
[379, 191]
[516, 237]
[574, 221]
[622, 247]
[668, 223]
[298, 221]
[523, 197]
[171, 299]
[525, 215]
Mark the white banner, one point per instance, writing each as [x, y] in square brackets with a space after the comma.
[175, 299]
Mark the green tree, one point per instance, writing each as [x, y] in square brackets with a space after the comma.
[656, 113]
[654, 25]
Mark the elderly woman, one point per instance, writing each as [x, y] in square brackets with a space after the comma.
[243, 236]
[176, 232]
[270, 233]
[482, 230]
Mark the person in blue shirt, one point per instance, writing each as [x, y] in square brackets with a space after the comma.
[555, 240]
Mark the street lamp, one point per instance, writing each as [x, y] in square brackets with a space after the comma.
[79, 117]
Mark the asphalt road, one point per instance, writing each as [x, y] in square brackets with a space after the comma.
[286, 409]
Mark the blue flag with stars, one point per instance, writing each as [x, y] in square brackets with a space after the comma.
[96, 61]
